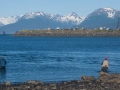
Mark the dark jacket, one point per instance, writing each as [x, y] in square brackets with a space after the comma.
[2, 62]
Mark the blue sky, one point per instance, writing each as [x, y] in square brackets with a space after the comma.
[62, 7]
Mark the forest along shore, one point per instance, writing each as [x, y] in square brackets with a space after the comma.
[84, 33]
[105, 81]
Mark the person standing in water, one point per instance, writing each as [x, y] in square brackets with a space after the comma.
[105, 65]
[2, 63]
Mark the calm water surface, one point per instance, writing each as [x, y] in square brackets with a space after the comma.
[54, 59]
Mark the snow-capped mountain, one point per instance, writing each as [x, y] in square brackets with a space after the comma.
[8, 20]
[102, 17]
[32, 15]
[73, 17]
[108, 11]
[40, 20]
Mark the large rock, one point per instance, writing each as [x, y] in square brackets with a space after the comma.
[7, 83]
[110, 78]
[34, 82]
[88, 78]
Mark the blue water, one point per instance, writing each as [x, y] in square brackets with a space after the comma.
[54, 59]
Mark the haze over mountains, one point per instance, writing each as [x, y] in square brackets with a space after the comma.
[102, 17]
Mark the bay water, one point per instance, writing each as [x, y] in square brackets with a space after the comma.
[56, 59]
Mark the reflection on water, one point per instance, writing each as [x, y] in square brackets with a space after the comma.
[2, 75]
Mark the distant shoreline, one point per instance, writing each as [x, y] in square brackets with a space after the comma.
[79, 33]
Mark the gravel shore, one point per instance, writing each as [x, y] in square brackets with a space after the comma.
[105, 81]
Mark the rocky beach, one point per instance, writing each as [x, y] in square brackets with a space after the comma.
[104, 81]
[83, 33]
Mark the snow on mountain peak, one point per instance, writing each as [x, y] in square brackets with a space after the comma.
[104, 10]
[9, 19]
[108, 9]
[111, 12]
[72, 17]
[72, 14]
[33, 14]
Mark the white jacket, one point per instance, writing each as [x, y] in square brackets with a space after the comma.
[105, 63]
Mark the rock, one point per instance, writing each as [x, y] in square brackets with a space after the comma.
[27, 87]
[110, 78]
[65, 82]
[53, 86]
[38, 88]
[103, 76]
[34, 82]
[7, 83]
[88, 78]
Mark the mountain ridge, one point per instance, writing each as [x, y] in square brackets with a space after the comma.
[102, 17]
[66, 18]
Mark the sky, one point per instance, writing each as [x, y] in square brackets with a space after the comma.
[62, 7]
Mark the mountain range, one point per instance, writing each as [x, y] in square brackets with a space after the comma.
[102, 17]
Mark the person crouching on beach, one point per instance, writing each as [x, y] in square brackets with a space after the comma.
[2, 63]
[105, 65]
